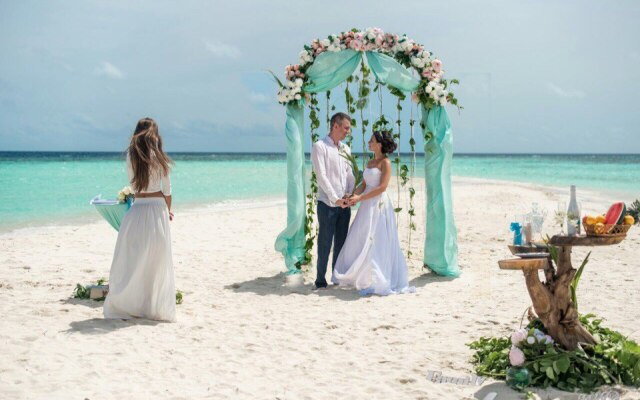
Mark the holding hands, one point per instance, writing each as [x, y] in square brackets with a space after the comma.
[348, 200]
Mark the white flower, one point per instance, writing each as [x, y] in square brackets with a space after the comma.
[297, 97]
[299, 82]
[443, 101]
[428, 89]
[325, 42]
[531, 340]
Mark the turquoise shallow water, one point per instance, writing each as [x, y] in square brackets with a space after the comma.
[40, 188]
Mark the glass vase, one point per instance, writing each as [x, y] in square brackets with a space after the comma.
[518, 377]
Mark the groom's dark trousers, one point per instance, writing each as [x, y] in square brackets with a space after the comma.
[334, 225]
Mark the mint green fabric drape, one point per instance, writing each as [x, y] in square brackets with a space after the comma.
[391, 73]
[113, 213]
[291, 241]
[441, 241]
[331, 69]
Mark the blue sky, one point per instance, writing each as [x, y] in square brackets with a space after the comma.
[536, 76]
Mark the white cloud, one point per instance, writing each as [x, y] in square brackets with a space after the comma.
[109, 70]
[260, 98]
[222, 50]
[567, 94]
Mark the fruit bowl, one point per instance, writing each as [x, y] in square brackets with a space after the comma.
[606, 230]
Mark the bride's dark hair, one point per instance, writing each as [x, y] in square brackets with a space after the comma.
[386, 140]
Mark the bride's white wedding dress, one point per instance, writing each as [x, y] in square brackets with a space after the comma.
[371, 259]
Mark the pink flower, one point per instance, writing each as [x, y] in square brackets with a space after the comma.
[516, 356]
[415, 98]
[356, 44]
[518, 336]
[437, 65]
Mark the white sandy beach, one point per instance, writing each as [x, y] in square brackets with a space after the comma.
[241, 334]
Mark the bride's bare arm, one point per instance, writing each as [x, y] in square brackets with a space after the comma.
[167, 200]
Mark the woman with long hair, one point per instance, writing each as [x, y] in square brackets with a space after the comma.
[141, 281]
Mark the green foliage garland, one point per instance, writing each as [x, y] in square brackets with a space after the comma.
[312, 196]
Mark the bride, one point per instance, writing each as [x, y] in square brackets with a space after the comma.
[371, 259]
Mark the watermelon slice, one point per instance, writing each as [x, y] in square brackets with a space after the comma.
[616, 213]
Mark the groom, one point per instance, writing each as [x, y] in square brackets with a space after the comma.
[335, 183]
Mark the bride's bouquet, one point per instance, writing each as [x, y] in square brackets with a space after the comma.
[125, 195]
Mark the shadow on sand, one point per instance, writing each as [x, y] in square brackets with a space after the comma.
[83, 302]
[428, 277]
[274, 285]
[98, 326]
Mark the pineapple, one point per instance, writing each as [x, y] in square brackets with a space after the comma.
[634, 211]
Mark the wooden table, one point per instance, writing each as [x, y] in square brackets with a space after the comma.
[552, 298]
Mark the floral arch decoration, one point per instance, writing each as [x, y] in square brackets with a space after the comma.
[404, 66]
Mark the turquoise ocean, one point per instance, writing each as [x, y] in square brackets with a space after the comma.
[55, 187]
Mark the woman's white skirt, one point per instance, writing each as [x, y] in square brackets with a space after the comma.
[141, 282]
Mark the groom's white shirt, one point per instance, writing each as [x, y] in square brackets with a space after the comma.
[333, 172]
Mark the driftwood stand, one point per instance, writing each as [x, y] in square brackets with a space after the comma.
[552, 298]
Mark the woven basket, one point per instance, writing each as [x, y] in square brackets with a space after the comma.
[608, 231]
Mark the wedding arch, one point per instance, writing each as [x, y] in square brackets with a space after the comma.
[404, 67]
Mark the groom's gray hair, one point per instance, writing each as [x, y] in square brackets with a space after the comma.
[338, 118]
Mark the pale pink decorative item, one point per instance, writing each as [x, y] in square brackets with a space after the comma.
[437, 65]
[516, 356]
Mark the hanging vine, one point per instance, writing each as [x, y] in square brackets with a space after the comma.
[310, 233]
[361, 103]
[351, 110]
[328, 92]
[412, 190]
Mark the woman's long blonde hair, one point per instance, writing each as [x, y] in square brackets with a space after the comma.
[146, 154]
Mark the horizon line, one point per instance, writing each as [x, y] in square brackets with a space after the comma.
[284, 153]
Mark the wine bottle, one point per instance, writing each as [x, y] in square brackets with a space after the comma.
[573, 214]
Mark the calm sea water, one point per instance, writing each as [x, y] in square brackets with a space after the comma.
[38, 188]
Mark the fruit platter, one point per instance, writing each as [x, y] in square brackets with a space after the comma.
[616, 222]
